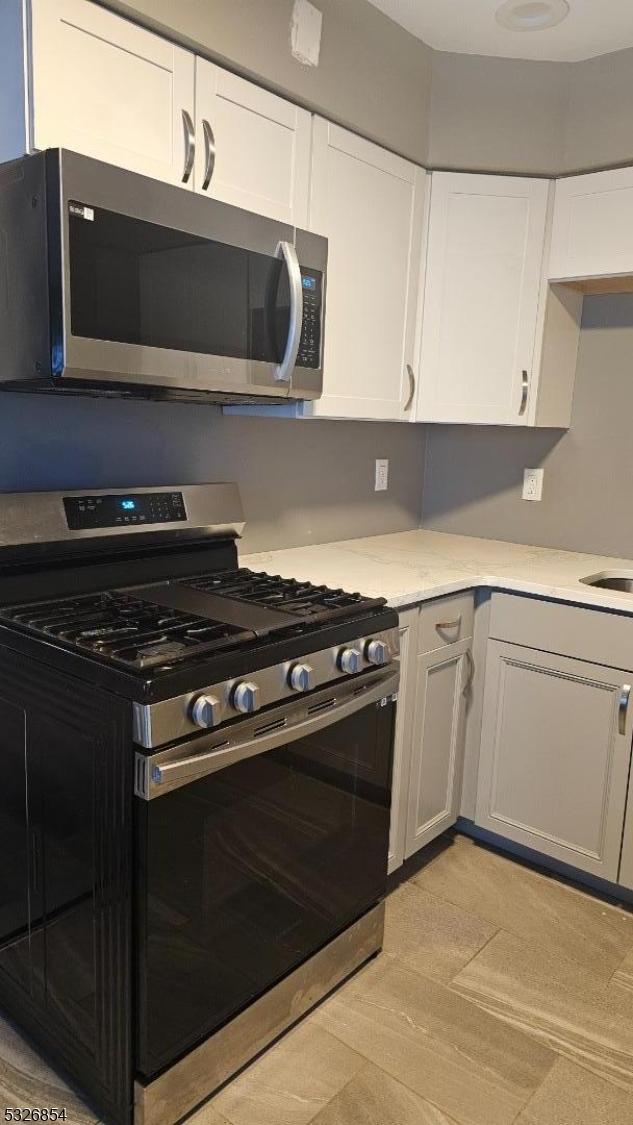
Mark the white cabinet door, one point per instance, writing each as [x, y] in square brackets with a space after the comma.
[253, 148]
[369, 204]
[626, 860]
[107, 88]
[437, 745]
[592, 232]
[402, 737]
[485, 249]
[555, 754]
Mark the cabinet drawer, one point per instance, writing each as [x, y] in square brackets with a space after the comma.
[598, 635]
[445, 621]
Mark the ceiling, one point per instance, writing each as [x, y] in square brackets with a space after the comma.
[593, 27]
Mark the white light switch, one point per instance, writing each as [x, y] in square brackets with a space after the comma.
[532, 484]
[382, 475]
[305, 32]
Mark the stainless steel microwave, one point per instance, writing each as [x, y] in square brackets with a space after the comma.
[111, 282]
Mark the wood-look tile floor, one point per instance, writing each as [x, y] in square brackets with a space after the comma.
[502, 996]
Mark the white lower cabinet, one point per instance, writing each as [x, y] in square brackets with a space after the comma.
[555, 756]
[430, 724]
[626, 861]
[402, 739]
[441, 685]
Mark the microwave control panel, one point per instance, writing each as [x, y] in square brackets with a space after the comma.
[84, 513]
[310, 346]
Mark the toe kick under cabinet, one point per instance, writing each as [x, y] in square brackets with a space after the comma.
[436, 677]
[556, 733]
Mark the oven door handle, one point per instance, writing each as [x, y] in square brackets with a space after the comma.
[284, 370]
[160, 773]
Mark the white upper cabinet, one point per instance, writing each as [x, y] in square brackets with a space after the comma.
[369, 204]
[107, 88]
[486, 241]
[252, 147]
[592, 233]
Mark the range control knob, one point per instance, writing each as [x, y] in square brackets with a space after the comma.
[377, 652]
[246, 697]
[301, 677]
[206, 711]
[349, 660]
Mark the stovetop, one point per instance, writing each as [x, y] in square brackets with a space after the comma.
[141, 591]
[159, 626]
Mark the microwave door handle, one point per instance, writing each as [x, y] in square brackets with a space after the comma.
[156, 774]
[283, 371]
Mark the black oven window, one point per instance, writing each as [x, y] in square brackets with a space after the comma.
[251, 870]
[135, 282]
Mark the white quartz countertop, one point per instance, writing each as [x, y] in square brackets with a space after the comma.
[413, 566]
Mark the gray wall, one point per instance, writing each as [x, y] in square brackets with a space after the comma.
[599, 120]
[473, 475]
[372, 76]
[497, 115]
[301, 481]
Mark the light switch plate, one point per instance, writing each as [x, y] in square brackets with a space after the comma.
[305, 32]
[532, 484]
[382, 475]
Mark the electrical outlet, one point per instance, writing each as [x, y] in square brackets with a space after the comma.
[382, 475]
[532, 484]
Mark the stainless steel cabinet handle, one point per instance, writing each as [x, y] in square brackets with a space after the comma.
[289, 254]
[471, 672]
[209, 153]
[525, 386]
[443, 625]
[623, 707]
[411, 374]
[190, 145]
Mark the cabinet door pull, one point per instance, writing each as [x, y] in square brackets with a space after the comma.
[525, 386]
[471, 672]
[209, 153]
[443, 626]
[411, 374]
[623, 707]
[190, 145]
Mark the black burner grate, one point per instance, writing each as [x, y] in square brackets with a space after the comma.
[126, 629]
[313, 603]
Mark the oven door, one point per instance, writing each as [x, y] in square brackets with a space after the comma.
[163, 288]
[254, 853]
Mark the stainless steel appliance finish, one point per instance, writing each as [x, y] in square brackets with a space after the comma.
[40, 344]
[181, 1088]
[172, 719]
[159, 773]
[31, 518]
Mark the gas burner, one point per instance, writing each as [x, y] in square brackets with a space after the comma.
[302, 599]
[126, 629]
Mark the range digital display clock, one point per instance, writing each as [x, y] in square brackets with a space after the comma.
[84, 513]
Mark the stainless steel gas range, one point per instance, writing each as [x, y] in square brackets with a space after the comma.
[194, 825]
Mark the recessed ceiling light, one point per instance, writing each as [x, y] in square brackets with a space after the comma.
[534, 15]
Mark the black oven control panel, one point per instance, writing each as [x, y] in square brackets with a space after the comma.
[310, 346]
[84, 513]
